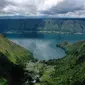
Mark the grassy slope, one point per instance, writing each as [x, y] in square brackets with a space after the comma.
[11, 56]
[14, 52]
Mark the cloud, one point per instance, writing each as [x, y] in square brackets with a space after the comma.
[47, 4]
[65, 7]
[58, 8]
[17, 7]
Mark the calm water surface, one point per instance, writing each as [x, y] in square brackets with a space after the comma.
[44, 46]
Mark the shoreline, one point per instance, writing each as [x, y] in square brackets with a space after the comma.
[42, 32]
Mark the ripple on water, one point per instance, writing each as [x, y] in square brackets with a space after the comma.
[42, 49]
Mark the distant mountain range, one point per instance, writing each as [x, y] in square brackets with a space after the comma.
[23, 24]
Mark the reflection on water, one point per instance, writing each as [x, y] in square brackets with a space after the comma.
[42, 49]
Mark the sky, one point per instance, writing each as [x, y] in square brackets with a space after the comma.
[54, 8]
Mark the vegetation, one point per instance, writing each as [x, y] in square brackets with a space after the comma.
[69, 70]
[10, 73]
[14, 52]
[12, 62]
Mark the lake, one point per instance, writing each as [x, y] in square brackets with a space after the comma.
[43, 46]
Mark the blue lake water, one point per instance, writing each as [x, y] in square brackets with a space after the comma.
[44, 46]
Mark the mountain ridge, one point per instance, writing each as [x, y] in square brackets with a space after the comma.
[58, 25]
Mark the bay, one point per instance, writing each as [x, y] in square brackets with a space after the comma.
[43, 46]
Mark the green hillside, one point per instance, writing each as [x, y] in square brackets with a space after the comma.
[10, 73]
[12, 59]
[69, 70]
[14, 52]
